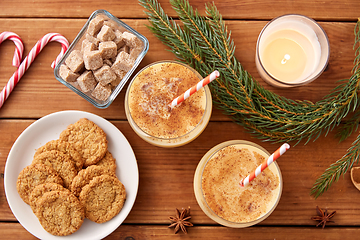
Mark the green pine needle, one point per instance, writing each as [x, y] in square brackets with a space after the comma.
[205, 43]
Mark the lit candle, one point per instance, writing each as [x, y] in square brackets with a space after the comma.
[291, 50]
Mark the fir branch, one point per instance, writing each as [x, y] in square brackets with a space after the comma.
[340, 167]
[247, 99]
[171, 34]
[205, 44]
[348, 127]
[299, 125]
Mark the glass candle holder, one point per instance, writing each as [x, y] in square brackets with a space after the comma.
[148, 99]
[291, 50]
[217, 184]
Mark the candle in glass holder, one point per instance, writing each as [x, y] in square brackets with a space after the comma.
[291, 50]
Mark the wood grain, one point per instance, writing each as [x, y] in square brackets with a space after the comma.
[166, 176]
[346, 10]
[12, 231]
[43, 94]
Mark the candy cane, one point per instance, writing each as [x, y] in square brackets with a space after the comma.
[30, 58]
[19, 50]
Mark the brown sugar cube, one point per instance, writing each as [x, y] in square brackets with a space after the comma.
[113, 25]
[75, 61]
[119, 40]
[121, 74]
[124, 48]
[122, 62]
[86, 45]
[108, 49]
[95, 25]
[106, 34]
[134, 52]
[86, 81]
[76, 85]
[122, 55]
[92, 39]
[117, 81]
[104, 75]
[131, 40]
[66, 74]
[114, 83]
[101, 92]
[93, 60]
[108, 62]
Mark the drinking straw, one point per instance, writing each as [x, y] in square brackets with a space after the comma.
[280, 151]
[18, 44]
[30, 58]
[195, 88]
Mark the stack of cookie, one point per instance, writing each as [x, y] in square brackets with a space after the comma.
[71, 178]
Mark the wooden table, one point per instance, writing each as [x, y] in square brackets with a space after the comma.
[166, 175]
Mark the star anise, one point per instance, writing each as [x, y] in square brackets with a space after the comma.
[180, 220]
[323, 217]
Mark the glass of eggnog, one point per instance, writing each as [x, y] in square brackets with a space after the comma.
[217, 184]
[148, 104]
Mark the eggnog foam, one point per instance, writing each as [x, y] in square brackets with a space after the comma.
[150, 97]
[223, 193]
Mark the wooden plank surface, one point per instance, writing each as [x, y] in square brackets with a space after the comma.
[166, 175]
[43, 93]
[345, 10]
[173, 170]
[11, 231]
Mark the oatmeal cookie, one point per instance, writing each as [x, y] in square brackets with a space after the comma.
[85, 176]
[64, 147]
[102, 198]
[34, 175]
[40, 190]
[108, 161]
[88, 139]
[60, 162]
[60, 213]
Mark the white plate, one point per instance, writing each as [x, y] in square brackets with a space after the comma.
[49, 128]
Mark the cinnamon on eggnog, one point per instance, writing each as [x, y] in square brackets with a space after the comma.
[217, 184]
[148, 109]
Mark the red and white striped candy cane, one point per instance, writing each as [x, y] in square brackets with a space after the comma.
[30, 58]
[280, 151]
[19, 50]
[195, 88]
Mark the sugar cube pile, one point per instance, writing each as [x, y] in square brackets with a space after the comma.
[106, 55]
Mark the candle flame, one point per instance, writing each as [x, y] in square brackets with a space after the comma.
[285, 59]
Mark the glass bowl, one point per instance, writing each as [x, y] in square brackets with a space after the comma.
[76, 45]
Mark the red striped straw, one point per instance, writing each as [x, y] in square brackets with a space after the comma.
[280, 151]
[30, 58]
[215, 74]
[18, 44]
